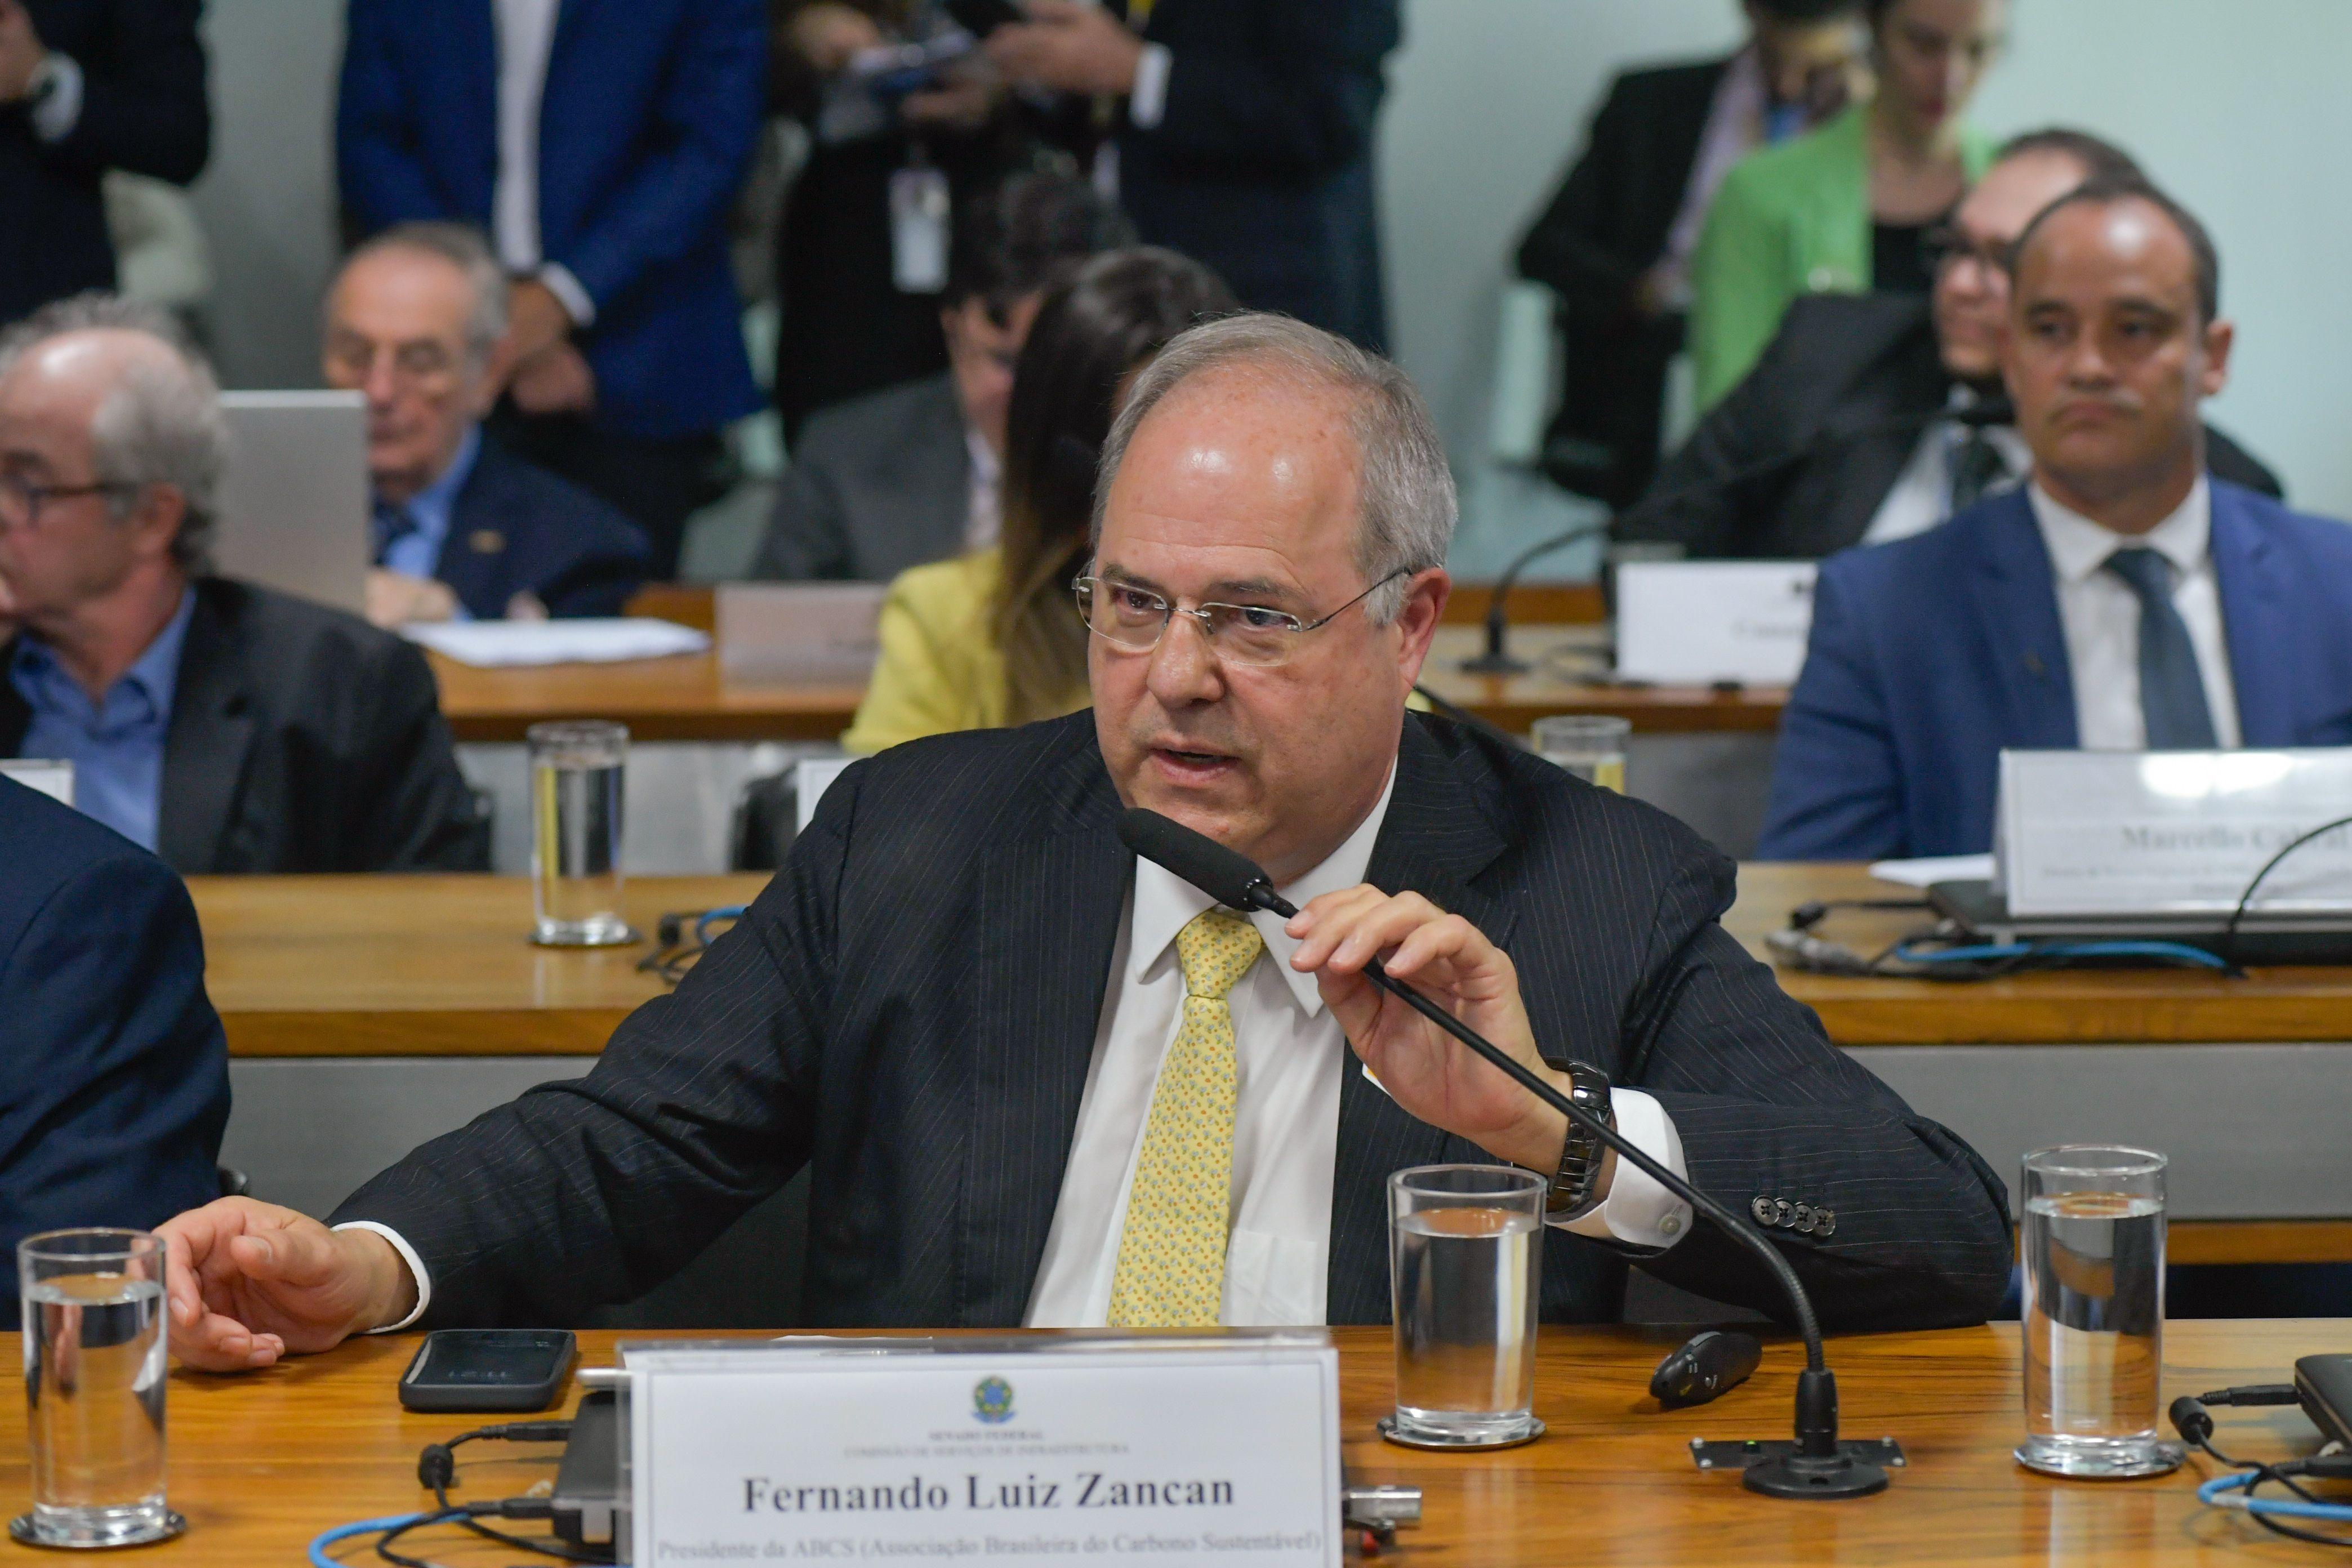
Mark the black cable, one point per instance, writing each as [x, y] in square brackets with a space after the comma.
[2230, 931]
[436, 1467]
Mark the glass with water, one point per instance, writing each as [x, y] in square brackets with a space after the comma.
[1465, 1261]
[1590, 745]
[2092, 1241]
[575, 832]
[94, 1381]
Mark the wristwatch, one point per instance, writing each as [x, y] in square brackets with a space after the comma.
[1572, 1194]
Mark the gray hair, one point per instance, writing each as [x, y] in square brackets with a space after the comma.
[1404, 489]
[463, 247]
[159, 424]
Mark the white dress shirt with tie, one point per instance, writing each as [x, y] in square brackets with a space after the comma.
[526, 32]
[1921, 496]
[2101, 617]
[1289, 1055]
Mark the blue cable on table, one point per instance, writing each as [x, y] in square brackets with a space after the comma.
[2213, 1494]
[712, 917]
[2177, 952]
[319, 1558]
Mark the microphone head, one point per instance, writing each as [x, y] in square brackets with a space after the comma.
[1233, 879]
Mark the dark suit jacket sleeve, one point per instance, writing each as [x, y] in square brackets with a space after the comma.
[418, 812]
[1719, 486]
[1837, 780]
[382, 178]
[114, 1085]
[589, 1191]
[143, 109]
[2228, 460]
[1295, 94]
[711, 113]
[1766, 1106]
[1566, 247]
[808, 535]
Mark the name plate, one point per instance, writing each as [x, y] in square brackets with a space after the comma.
[1070, 1450]
[1697, 621]
[53, 779]
[2178, 833]
[813, 633]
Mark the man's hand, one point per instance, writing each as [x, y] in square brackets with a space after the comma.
[248, 1282]
[536, 319]
[21, 53]
[557, 380]
[394, 599]
[1424, 1069]
[828, 34]
[1067, 46]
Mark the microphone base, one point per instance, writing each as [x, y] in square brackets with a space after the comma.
[1494, 664]
[1778, 1470]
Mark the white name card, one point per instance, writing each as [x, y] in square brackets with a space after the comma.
[53, 779]
[1697, 621]
[2182, 833]
[812, 778]
[803, 632]
[1085, 1449]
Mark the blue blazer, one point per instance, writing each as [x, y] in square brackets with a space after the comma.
[1932, 653]
[517, 528]
[113, 1073]
[651, 112]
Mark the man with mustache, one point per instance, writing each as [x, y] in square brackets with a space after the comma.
[1041, 1082]
[2124, 599]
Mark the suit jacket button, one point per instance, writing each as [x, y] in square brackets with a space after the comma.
[1784, 1213]
[1804, 1219]
[1824, 1222]
[1762, 1209]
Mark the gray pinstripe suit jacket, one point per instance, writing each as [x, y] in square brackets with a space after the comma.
[910, 1006]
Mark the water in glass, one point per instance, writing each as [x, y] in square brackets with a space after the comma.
[2094, 1328]
[94, 1382]
[1465, 1322]
[576, 851]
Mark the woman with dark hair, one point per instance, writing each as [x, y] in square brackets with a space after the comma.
[993, 637]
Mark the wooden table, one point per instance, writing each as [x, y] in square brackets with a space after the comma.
[260, 1465]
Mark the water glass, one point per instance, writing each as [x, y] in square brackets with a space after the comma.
[575, 832]
[1466, 1262]
[94, 1381]
[2092, 1241]
[1590, 745]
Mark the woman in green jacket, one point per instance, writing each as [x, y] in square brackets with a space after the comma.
[1844, 209]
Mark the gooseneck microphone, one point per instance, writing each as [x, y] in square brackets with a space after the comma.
[1815, 1465]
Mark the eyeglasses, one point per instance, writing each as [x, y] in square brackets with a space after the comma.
[1947, 242]
[413, 363]
[1134, 620]
[21, 499]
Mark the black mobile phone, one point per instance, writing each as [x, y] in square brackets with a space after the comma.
[488, 1369]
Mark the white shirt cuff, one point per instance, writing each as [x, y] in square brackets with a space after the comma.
[60, 111]
[415, 1270]
[1148, 101]
[1638, 1211]
[568, 293]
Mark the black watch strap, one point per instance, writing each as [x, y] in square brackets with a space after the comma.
[1572, 1191]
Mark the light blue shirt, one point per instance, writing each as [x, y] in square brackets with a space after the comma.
[418, 552]
[116, 747]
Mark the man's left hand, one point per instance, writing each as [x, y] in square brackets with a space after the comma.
[1068, 45]
[21, 53]
[556, 381]
[536, 319]
[1425, 1070]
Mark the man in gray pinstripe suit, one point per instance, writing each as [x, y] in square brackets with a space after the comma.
[1014, 1058]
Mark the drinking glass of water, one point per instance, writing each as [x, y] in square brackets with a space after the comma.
[1590, 745]
[2094, 1320]
[1466, 1257]
[575, 832]
[94, 1377]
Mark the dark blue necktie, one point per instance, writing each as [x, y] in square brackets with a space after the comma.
[393, 524]
[2171, 692]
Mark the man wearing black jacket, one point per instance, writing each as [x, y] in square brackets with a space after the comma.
[1040, 1081]
[226, 728]
[86, 86]
[1617, 236]
[1856, 426]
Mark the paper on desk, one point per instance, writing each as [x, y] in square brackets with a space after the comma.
[1934, 868]
[499, 644]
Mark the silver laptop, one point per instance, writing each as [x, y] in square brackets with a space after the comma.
[294, 502]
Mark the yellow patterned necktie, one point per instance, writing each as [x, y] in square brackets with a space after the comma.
[1171, 1255]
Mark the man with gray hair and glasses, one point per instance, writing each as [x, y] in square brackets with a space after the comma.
[222, 726]
[1042, 1082]
[463, 528]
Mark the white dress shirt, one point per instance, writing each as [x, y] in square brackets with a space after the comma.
[983, 518]
[1289, 1055]
[56, 112]
[526, 31]
[2101, 615]
[1921, 497]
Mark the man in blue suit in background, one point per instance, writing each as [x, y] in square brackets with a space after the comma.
[2121, 600]
[601, 144]
[114, 1082]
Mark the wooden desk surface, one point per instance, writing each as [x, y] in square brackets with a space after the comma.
[260, 1465]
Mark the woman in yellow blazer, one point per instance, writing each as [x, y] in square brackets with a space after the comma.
[993, 637]
[1845, 208]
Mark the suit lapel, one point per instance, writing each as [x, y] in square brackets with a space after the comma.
[1046, 909]
[15, 714]
[205, 750]
[481, 507]
[1433, 841]
[2015, 592]
[2254, 607]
